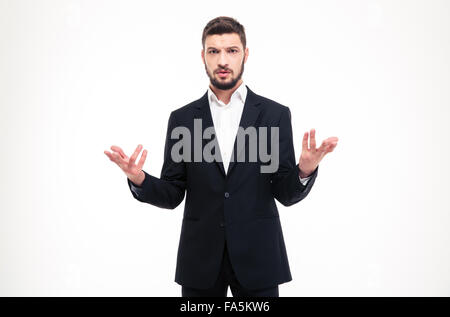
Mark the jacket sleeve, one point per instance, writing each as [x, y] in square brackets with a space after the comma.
[167, 191]
[286, 185]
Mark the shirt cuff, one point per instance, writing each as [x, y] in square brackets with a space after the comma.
[305, 180]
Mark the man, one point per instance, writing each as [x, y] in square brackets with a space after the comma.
[231, 232]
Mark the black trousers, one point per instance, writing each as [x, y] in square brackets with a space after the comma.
[228, 278]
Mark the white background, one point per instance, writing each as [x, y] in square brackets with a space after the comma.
[79, 76]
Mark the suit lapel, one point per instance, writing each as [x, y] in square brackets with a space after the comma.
[249, 115]
[204, 113]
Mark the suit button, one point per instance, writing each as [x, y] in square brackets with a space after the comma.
[222, 225]
[227, 195]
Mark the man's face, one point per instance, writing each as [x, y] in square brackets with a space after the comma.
[224, 59]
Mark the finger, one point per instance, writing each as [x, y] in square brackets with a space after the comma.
[330, 148]
[118, 159]
[135, 154]
[323, 146]
[142, 160]
[333, 145]
[112, 156]
[332, 139]
[119, 150]
[327, 145]
[312, 141]
[305, 141]
[108, 155]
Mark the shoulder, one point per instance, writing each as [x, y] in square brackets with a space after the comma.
[272, 105]
[185, 111]
[272, 108]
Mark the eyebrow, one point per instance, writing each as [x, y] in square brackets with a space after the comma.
[210, 47]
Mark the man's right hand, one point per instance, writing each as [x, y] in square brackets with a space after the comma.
[134, 172]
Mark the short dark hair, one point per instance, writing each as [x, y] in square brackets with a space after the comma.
[221, 25]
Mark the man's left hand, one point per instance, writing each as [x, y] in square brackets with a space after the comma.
[311, 156]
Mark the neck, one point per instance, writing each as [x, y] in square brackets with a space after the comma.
[225, 95]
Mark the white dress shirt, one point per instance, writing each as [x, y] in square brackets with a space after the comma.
[226, 119]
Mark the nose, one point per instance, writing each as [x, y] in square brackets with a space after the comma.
[222, 60]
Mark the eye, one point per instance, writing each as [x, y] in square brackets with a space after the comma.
[234, 50]
[213, 51]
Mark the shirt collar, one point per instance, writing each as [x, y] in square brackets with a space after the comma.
[240, 93]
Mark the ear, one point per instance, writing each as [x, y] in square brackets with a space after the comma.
[203, 57]
[246, 55]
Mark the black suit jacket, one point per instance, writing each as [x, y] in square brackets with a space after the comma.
[237, 207]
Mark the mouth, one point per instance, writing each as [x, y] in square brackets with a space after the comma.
[223, 73]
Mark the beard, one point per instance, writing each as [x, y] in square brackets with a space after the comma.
[225, 85]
